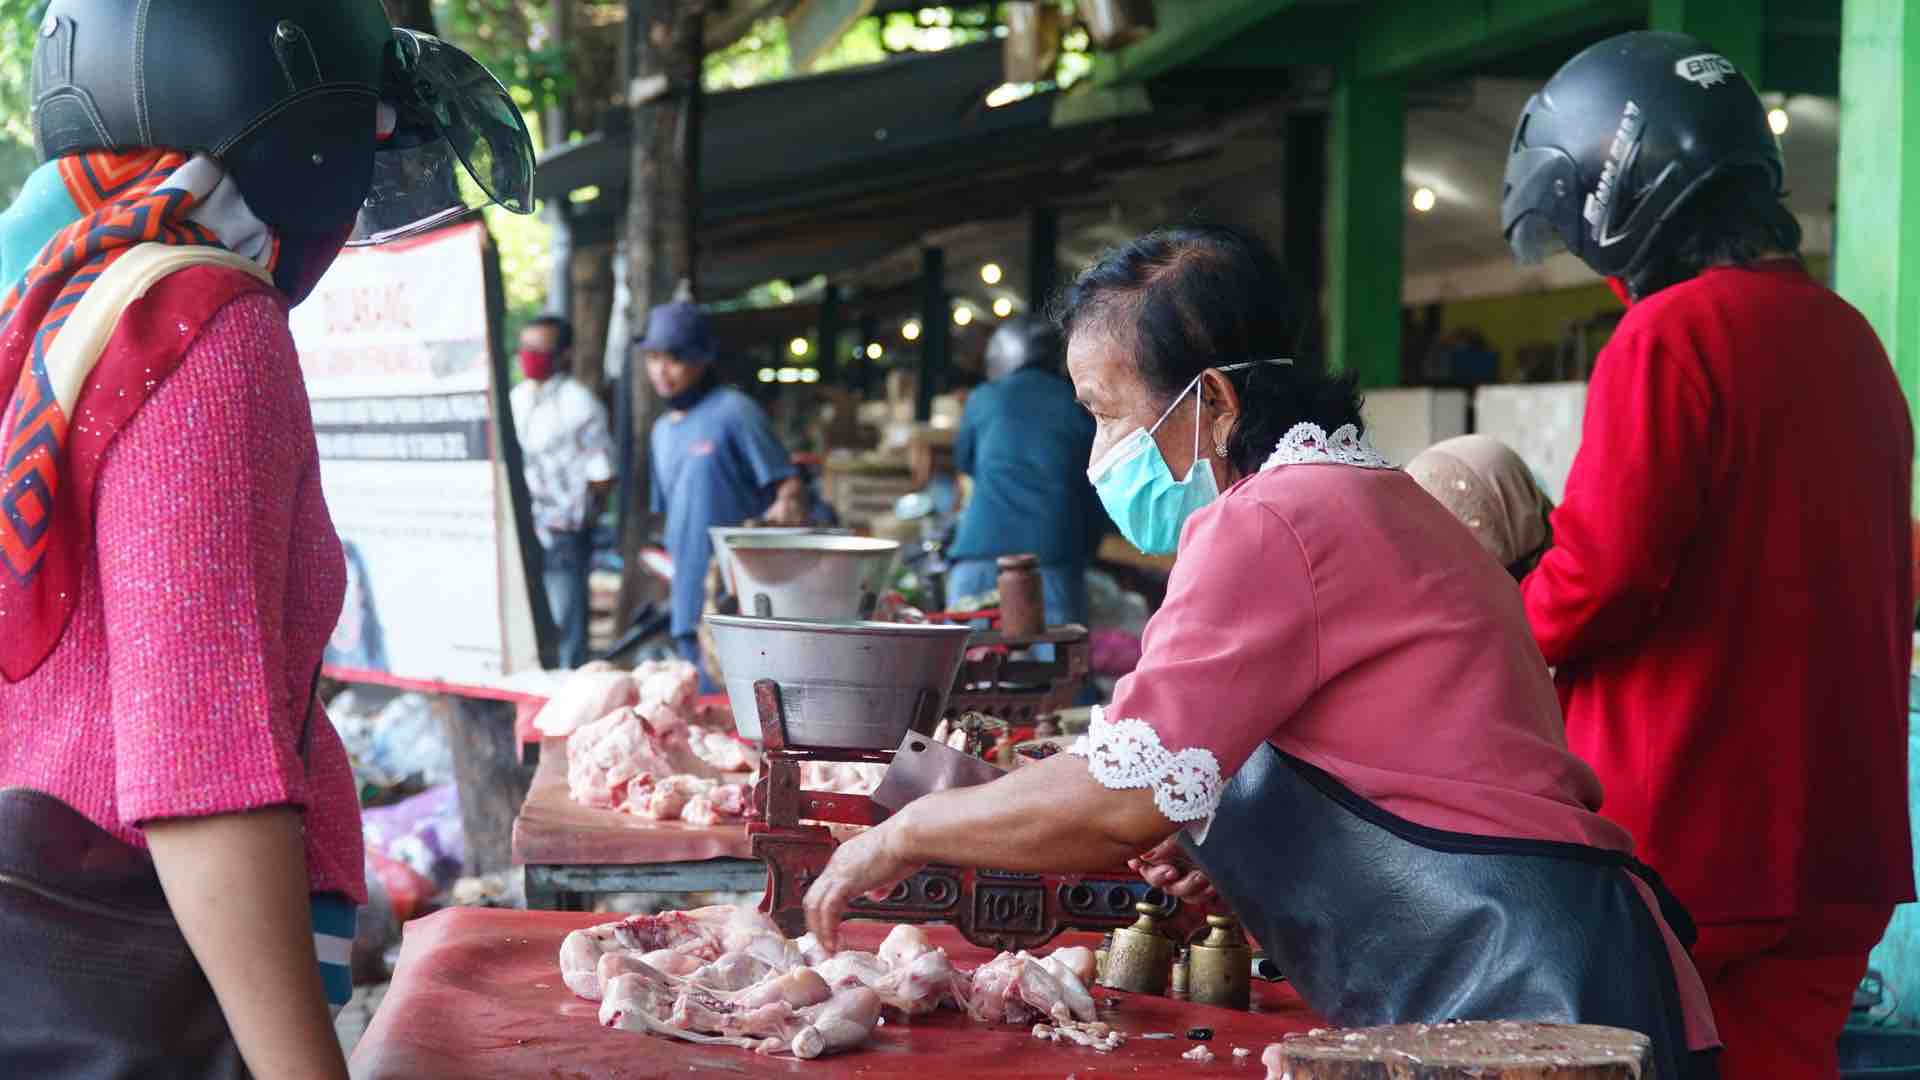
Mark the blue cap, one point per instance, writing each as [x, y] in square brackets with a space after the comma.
[679, 328]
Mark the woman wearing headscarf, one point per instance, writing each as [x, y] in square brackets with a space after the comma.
[1339, 712]
[180, 849]
[1490, 490]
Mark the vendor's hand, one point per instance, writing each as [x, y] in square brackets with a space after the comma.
[1169, 869]
[866, 865]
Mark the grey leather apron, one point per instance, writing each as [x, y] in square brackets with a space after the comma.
[1377, 920]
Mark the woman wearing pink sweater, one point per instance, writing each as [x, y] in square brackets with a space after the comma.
[180, 852]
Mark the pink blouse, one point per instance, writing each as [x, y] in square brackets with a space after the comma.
[182, 683]
[1344, 616]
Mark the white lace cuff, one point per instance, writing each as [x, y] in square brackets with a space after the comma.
[1125, 754]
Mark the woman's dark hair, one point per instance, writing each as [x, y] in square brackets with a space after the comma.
[1182, 300]
[1734, 219]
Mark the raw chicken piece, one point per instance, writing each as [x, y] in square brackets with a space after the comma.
[851, 968]
[1073, 992]
[841, 1023]
[1275, 1062]
[724, 752]
[623, 760]
[716, 803]
[591, 692]
[1077, 959]
[914, 987]
[793, 1012]
[734, 971]
[842, 777]
[670, 796]
[1017, 988]
[902, 944]
[673, 683]
[811, 953]
[1199, 1053]
[919, 986]
[705, 934]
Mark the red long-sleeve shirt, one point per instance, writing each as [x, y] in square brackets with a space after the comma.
[1729, 598]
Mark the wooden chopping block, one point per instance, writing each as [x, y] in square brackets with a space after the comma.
[1482, 1050]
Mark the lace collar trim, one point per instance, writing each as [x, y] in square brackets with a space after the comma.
[1309, 444]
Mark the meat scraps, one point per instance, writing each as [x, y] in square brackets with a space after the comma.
[646, 758]
[726, 976]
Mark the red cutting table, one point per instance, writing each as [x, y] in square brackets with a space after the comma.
[572, 851]
[478, 995]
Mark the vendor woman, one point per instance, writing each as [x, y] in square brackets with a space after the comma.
[1339, 710]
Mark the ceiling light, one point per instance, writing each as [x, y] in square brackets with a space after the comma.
[767, 374]
[798, 346]
[962, 315]
[1003, 307]
[911, 331]
[1423, 199]
[990, 273]
[1777, 119]
[789, 375]
[809, 375]
[874, 351]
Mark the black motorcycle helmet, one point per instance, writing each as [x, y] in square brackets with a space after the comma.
[1619, 139]
[297, 98]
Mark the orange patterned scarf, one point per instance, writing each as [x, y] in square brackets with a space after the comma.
[125, 199]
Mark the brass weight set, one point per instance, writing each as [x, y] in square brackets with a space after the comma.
[1142, 959]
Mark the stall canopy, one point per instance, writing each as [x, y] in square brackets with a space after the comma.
[825, 173]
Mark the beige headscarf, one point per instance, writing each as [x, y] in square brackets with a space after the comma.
[1486, 485]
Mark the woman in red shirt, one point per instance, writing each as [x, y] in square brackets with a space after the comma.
[1729, 597]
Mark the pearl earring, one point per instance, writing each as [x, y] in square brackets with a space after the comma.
[1220, 449]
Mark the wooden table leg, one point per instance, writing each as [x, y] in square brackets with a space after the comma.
[492, 782]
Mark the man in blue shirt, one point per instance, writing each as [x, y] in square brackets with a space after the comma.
[1026, 441]
[716, 460]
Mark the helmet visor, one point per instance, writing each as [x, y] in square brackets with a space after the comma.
[458, 143]
[1533, 238]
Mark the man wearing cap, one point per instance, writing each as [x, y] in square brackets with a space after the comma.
[716, 460]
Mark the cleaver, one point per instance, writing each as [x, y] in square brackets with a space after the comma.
[922, 766]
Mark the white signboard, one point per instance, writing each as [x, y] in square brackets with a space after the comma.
[394, 344]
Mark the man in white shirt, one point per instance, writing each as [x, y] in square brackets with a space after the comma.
[567, 457]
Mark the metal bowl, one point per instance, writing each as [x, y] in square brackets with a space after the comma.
[810, 576]
[720, 534]
[854, 685]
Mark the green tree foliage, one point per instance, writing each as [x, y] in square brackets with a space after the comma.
[19, 23]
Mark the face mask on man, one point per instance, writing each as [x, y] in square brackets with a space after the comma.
[1137, 487]
[536, 364]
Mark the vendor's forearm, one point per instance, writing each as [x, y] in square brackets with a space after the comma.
[237, 884]
[1051, 815]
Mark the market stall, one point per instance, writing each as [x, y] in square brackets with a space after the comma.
[572, 852]
[479, 994]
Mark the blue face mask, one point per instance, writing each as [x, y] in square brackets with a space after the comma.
[1138, 489]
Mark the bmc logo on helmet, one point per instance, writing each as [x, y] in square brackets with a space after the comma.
[1706, 69]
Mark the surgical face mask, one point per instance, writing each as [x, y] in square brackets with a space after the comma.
[1138, 489]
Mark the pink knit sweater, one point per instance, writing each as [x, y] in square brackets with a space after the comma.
[180, 687]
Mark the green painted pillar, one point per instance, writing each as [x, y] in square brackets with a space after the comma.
[1731, 26]
[1366, 220]
[1876, 243]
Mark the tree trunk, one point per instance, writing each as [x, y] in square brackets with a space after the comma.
[662, 216]
[412, 14]
[592, 270]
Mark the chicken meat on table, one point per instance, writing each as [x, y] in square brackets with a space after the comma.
[726, 975]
